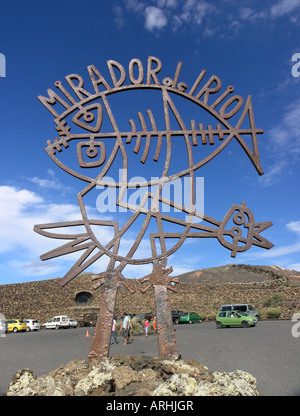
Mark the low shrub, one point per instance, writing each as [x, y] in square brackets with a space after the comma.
[273, 300]
[268, 302]
[202, 316]
[277, 297]
[259, 313]
[136, 327]
[273, 313]
[211, 316]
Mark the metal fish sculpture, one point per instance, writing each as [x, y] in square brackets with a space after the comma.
[91, 129]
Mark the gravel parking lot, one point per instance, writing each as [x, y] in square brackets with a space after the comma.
[268, 351]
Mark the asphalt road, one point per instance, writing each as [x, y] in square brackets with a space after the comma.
[268, 351]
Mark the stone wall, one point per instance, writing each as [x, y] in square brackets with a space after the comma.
[44, 299]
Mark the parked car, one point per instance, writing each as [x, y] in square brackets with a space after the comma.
[189, 317]
[235, 318]
[243, 307]
[176, 316]
[32, 325]
[60, 321]
[73, 323]
[16, 325]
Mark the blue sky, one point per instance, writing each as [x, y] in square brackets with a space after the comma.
[247, 44]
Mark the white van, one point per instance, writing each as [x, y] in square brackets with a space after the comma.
[60, 321]
[242, 307]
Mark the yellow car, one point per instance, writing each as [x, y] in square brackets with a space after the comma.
[15, 325]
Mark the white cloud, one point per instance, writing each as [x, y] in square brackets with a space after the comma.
[165, 11]
[136, 272]
[135, 5]
[20, 246]
[33, 268]
[194, 11]
[283, 7]
[246, 13]
[286, 135]
[16, 199]
[154, 18]
[273, 174]
[52, 182]
[275, 252]
[119, 16]
[215, 20]
[280, 253]
[294, 266]
[20, 210]
[284, 145]
[172, 4]
[132, 271]
[45, 183]
[13, 226]
[294, 226]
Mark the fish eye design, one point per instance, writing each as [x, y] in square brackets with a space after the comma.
[91, 150]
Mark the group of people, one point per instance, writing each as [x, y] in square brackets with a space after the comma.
[126, 327]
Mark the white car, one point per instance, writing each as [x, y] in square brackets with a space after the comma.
[32, 325]
[73, 323]
[60, 321]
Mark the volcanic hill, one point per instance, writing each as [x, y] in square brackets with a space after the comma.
[240, 273]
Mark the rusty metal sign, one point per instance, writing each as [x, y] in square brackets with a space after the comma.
[109, 128]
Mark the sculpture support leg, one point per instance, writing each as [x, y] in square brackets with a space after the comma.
[165, 330]
[101, 340]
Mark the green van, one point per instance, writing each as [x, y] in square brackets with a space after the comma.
[235, 318]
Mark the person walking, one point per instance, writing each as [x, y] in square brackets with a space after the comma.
[155, 325]
[146, 326]
[125, 328]
[129, 329]
[113, 331]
